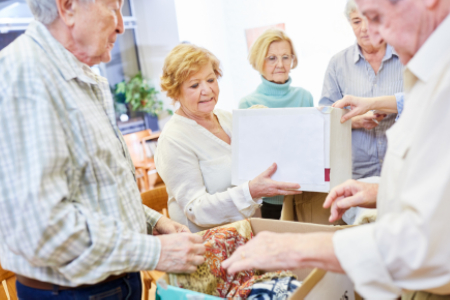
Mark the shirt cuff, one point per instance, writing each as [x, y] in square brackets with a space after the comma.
[247, 195]
[150, 257]
[400, 99]
[152, 216]
[358, 254]
[244, 201]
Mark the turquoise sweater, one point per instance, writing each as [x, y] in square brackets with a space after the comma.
[275, 95]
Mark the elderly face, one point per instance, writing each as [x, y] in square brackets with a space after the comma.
[200, 92]
[360, 28]
[278, 62]
[399, 25]
[95, 29]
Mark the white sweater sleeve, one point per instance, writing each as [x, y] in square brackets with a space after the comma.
[180, 170]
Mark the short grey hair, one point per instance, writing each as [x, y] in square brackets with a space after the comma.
[350, 7]
[46, 11]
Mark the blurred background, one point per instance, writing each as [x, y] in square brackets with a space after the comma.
[318, 30]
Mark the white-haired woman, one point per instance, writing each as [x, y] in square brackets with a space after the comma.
[273, 56]
[364, 70]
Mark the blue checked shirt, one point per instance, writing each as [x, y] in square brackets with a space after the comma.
[350, 74]
[70, 210]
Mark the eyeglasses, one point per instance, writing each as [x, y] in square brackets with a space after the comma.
[286, 59]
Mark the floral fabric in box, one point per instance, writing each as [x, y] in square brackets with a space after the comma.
[210, 278]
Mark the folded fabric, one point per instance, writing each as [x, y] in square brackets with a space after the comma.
[210, 278]
[274, 289]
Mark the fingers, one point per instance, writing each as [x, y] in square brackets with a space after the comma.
[241, 265]
[183, 228]
[270, 171]
[287, 186]
[349, 115]
[334, 194]
[194, 238]
[342, 103]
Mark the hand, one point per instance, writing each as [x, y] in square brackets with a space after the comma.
[358, 106]
[272, 252]
[180, 253]
[350, 194]
[367, 121]
[167, 226]
[264, 186]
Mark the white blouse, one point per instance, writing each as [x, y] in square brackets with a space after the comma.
[195, 165]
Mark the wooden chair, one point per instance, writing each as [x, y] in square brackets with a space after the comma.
[143, 164]
[8, 288]
[156, 199]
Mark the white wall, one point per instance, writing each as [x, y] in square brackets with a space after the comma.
[156, 35]
[318, 28]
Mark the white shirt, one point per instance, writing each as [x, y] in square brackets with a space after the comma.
[196, 168]
[409, 245]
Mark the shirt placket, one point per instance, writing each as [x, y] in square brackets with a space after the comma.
[104, 96]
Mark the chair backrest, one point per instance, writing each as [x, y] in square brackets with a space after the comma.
[156, 198]
[134, 144]
[8, 285]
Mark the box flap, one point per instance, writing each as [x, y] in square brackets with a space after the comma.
[277, 226]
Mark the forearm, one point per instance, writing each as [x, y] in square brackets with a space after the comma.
[316, 250]
[385, 104]
[232, 205]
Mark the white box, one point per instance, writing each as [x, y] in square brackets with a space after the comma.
[309, 144]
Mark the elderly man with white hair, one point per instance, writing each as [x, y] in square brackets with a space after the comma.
[72, 224]
[407, 250]
[364, 70]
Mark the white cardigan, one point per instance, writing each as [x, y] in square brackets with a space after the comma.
[195, 165]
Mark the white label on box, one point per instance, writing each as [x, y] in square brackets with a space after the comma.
[333, 286]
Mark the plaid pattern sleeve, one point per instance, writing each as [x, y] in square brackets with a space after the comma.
[70, 210]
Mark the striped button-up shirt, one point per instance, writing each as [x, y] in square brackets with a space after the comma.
[70, 210]
[350, 74]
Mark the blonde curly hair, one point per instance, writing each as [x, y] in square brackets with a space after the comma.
[183, 61]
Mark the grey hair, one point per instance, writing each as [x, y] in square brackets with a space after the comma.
[350, 7]
[45, 11]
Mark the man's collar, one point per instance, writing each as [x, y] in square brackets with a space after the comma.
[69, 66]
[357, 55]
[435, 49]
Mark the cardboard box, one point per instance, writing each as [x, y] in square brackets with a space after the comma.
[317, 284]
[309, 144]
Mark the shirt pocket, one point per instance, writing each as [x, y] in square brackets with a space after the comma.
[216, 173]
[392, 87]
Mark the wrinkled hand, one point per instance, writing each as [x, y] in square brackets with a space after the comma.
[358, 106]
[167, 226]
[272, 252]
[367, 121]
[180, 253]
[264, 186]
[351, 193]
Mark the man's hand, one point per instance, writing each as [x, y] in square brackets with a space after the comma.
[167, 226]
[180, 253]
[271, 252]
[350, 194]
[358, 106]
[367, 121]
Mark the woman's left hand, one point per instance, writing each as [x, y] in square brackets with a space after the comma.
[271, 252]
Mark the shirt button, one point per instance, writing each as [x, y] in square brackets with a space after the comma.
[381, 160]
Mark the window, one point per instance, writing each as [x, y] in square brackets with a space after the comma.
[15, 17]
